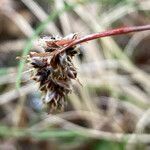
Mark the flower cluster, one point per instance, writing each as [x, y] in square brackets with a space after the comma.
[54, 73]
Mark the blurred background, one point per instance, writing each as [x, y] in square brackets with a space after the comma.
[110, 110]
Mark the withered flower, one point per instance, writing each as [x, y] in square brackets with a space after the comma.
[54, 73]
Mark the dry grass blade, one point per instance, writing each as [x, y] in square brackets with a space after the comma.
[13, 94]
[41, 15]
[18, 19]
[143, 138]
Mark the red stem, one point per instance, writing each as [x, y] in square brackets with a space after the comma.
[112, 32]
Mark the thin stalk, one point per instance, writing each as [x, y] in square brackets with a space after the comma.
[112, 32]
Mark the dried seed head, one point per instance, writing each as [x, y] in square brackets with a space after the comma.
[54, 73]
[54, 68]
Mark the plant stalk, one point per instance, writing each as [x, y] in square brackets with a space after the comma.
[113, 32]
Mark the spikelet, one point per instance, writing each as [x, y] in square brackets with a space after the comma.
[54, 73]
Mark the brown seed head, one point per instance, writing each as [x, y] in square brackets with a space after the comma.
[54, 73]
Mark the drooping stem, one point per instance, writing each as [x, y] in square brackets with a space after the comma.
[118, 31]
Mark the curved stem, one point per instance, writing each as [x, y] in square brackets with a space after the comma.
[118, 31]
